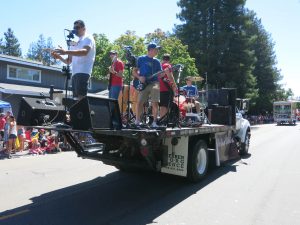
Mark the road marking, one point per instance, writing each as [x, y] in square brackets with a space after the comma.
[14, 214]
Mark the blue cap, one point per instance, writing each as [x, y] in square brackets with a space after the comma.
[152, 46]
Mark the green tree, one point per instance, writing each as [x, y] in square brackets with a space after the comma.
[102, 60]
[40, 51]
[215, 32]
[11, 45]
[1, 46]
[265, 70]
[129, 39]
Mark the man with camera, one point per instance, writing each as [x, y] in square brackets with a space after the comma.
[115, 75]
[82, 57]
[148, 65]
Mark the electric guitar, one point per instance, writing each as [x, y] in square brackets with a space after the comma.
[139, 86]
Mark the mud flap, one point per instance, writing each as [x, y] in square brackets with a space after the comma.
[226, 148]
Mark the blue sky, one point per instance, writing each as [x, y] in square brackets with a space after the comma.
[30, 18]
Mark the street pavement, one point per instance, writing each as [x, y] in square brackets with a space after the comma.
[259, 189]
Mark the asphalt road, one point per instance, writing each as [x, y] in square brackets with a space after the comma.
[262, 188]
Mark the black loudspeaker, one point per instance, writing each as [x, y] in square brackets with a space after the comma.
[222, 115]
[96, 113]
[37, 112]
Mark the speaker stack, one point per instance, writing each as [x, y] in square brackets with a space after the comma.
[223, 104]
[37, 112]
[92, 113]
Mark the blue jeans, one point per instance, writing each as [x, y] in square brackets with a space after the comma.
[114, 92]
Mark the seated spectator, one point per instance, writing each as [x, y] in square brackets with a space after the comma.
[52, 144]
[36, 148]
[42, 138]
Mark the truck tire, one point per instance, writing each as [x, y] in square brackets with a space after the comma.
[128, 169]
[197, 161]
[245, 146]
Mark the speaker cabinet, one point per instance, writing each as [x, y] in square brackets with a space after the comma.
[222, 115]
[96, 113]
[37, 111]
[222, 97]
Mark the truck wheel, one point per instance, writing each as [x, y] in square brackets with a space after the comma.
[126, 168]
[197, 161]
[245, 146]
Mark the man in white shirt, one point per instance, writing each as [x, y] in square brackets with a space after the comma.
[82, 57]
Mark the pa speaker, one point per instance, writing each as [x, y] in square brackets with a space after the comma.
[96, 113]
[222, 115]
[37, 111]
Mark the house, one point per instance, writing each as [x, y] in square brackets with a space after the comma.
[21, 77]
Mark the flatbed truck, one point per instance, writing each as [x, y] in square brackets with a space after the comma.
[181, 151]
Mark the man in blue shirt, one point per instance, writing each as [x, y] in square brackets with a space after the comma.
[146, 66]
[192, 93]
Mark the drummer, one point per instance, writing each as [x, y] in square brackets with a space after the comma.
[192, 93]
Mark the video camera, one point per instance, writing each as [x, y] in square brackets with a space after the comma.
[131, 59]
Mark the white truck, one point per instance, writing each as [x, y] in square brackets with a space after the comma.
[285, 112]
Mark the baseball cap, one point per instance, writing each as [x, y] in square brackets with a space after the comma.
[113, 52]
[153, 45]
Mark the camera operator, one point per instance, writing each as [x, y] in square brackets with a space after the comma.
[82, 57]
[116, 75]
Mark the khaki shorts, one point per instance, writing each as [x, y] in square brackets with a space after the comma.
[152, 90]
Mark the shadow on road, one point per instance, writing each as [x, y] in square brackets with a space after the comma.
[118, 198]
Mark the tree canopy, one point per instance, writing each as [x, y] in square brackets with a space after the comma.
[10, 45]
[231, 45]
[170, 45]
[40, 51]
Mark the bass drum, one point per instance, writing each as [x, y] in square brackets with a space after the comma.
[123, 98]
[181, 105]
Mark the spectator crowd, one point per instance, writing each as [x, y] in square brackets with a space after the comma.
[14, 138]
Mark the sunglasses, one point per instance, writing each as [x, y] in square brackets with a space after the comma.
[76, 27]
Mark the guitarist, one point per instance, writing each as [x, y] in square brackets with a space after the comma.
[116, 75]
[167, 86]
[146, 66]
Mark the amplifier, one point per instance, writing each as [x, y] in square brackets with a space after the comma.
[37, 112]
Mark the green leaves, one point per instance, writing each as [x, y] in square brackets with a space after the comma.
[10, 45]
[170, 44]
[37, 51]
[231, 45]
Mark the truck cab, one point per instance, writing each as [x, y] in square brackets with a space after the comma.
[242, 127]
[285, 112]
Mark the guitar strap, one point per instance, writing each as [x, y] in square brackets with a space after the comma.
[113, 65]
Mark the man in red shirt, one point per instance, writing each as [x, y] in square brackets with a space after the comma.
[115, 75]
[167, 86]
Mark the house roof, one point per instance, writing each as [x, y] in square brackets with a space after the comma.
[26, 62]
[34, 91]
[23, 90]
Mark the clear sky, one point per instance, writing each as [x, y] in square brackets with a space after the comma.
[30, 18]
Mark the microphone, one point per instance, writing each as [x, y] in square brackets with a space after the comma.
[71, 31]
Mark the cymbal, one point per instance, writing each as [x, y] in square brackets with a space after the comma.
[197, 78]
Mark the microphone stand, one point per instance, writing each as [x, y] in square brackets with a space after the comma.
[67, 71]
[128, 67]
[178, 94]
